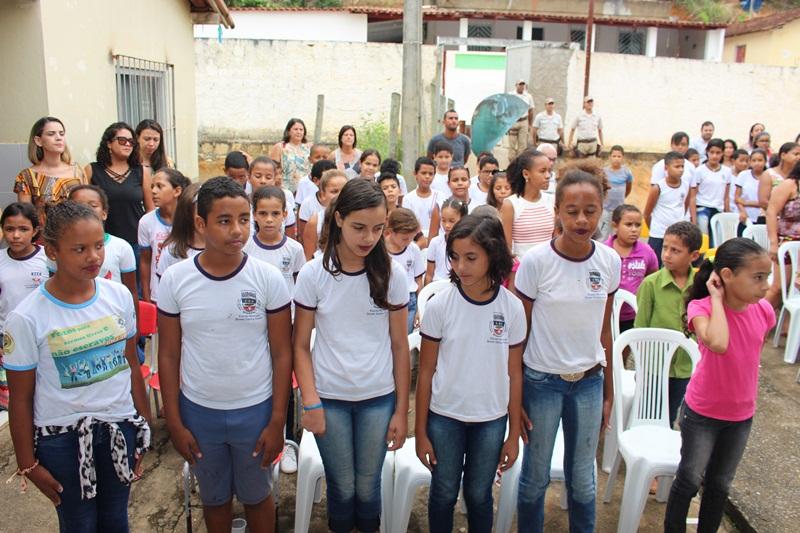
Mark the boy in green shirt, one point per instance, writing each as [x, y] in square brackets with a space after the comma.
[661, 300]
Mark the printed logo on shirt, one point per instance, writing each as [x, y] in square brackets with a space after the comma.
[498, 324]
[8, 343]
[247, 301]
[375, 309]
[409, 262]
[286, 262]
[36, 279]
[89, 352]
[594, 282]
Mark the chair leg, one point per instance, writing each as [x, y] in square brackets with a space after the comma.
[387, 492]
[664, 486]
[307, 482]
[634, 497]
[609, 448]
[612, 479]
[188, 481]
[564, 504]
[778, 327]
[404, 491]
[792, 340]
[507, 502]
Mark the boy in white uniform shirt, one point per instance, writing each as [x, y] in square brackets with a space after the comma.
[478, 191]
[225, 361]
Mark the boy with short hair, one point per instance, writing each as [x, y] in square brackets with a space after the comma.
[390, 186]
[667, 201]
[307, 185]
[479, 188]
[225, 311]
[424, 201]
[264, 172]
[330, 183]
[678, 143]
[443, 156]
[236, 167]
[620, 180]
[661, 298]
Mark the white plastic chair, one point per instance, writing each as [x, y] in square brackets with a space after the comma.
[649, 447]
[724, 227]
[628, 382]
[791, 301]
[758, 233]
[427, 292]
[309, 483]
[409, 475]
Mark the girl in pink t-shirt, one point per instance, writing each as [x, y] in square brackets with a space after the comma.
[727, 310]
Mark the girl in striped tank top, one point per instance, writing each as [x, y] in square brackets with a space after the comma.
[528, 216]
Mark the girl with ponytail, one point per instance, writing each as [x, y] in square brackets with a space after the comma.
[727, 310]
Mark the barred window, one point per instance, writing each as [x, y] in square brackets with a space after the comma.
[483, 31]
[146, 90]
[578, 36]
[631, 42]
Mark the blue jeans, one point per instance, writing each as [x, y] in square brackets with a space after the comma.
[106, 512]
[677, 390]
[656, 243]
[710, 452]
[704, 215]
[548, 399]
[471, 448]
[412, 310]
[353, 449]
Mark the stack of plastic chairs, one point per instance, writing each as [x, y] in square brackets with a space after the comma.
[791, 301]
[725, 227]
[147, 318]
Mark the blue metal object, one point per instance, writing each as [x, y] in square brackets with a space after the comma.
[492, 119]
[748, 5]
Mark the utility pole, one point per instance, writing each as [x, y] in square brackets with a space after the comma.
[589, 41]
[412, 82]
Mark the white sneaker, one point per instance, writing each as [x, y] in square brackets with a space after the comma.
[289, 460]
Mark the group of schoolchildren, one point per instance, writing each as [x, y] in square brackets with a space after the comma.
[254, 283]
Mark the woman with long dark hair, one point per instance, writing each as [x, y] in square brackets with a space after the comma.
[149, 137]
[293, 152]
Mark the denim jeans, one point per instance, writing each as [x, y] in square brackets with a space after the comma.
[656, 243]
[106, 512]
[353, 449]
[474, 450]
[710, 452]
[412, 310]
[677, 390]
[704, 215]
[548, 399]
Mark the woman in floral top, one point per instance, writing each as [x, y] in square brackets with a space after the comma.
[292, 153]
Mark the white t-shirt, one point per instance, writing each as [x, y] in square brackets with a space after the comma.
[352, 355]
[411, 260]
[564, 341]
[670, 207]
[305, 188]
[437, 254]
[700, 145]
[168, 258]
[19, 278]
[119, 259]
[548, 126]
[440, 185]
[225, 353]
[290, 219]
[749, 185]
[422, 207]
[287, 256]
[476, 196]
[309, 206]
[658, 173]
[471, 381]
[153, 231]
[78, 351]
[711, 185]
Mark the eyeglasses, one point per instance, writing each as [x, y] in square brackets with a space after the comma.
[125, 141]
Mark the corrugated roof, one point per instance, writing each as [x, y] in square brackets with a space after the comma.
[438, 13]
[769, 22]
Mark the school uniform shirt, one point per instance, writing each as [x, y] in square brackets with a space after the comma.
[670, 207]
[725, 385]
[352, 355]
[711, 185]
[422, 207]
[440, 185]
[287, 256]
[118, 260]
[168, 258]
[569, 299]
[658, 172]
[290, 219]
[547, 126]
[305, 188]
[471, 382]
[310, 206]
[153, 231]
[641, 261]
[19, 277]
[476, 196]
[437, 254]
[78, 351]
[749, 186]
[410, 258]
[225, 354]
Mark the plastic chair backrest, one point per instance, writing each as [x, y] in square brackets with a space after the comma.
[758, 233]
[724, 226]
[652, 350]
[427, 293]
[621, 297]
[791, 248]
[147, 318]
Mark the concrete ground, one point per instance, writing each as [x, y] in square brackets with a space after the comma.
[764, 496]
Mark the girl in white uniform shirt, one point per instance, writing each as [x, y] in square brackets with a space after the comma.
[567, 289]
[470, 376]
[184, 242]
[355, 384]
[452, 211]
[710, 191]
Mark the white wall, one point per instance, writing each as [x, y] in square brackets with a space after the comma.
[291, 26]
[469, 86]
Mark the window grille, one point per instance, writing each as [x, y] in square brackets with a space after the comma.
[480, 31]
[631, 42]
[578, 36]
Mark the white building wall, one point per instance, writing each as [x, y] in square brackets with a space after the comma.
[291, 26]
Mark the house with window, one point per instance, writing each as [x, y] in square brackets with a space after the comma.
[768, 40]
[94, 62]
